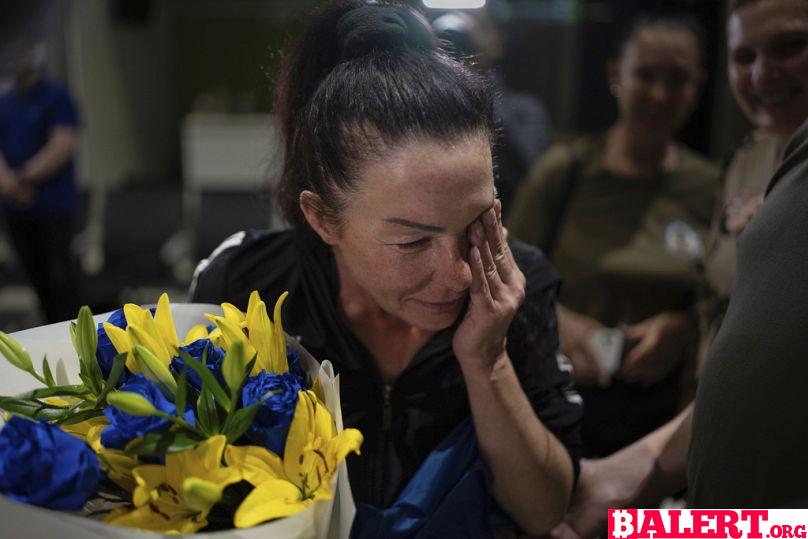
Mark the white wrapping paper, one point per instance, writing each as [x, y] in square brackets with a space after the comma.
[329, 519]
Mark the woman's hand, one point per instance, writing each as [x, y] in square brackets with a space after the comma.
[740, 211]
[573, 332]
[15, 191]
[660, 343]
[497, 291]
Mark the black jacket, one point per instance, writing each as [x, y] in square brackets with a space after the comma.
[404, 422]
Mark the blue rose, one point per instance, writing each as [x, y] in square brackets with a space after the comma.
[293, 359]
[124, 427]
[106, 352]
[271, 423]
[43, 465]
[213, 361]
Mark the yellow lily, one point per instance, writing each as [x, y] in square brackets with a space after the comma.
[115, 462]
[177, 497]
[156, 333]
[264, 338]
[82, 428]
[199, 331]
[232, 332]
[312, 454]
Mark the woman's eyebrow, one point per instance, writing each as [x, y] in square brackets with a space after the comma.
[412, 224]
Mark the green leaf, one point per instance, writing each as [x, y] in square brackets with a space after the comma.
[115, 373]
[208, 380]
[33, 409]
[56, 391]
[156, 444]
[88, 381]
[78, 417]
[182, 441]
[46, 372]
[207, 415]
[233, 367]
[182, 391]
[74, 337]
[248, 369]
[239, 422]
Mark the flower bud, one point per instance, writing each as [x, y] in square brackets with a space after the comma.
[200, 495]
[15, 353]
[154, 369]
[131, 403]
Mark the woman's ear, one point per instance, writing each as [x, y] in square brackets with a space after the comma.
[314, 211]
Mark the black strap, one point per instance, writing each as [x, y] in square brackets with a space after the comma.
[571, 182]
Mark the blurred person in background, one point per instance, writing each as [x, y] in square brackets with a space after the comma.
[749, 430]
[38, 132]
[623, 216]
[768, 75]
[524, 124]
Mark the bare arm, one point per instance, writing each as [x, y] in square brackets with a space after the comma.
[639, 475]
[52, 157]
[11, 188]
[532, 471]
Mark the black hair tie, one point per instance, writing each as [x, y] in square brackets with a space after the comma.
[374, 27]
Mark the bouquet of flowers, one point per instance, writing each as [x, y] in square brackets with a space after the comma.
[228, 428]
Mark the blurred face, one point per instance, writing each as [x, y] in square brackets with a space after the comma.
[402, 243]
[768, 62]
[657, 78]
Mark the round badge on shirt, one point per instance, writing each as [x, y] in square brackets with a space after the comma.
[682, 241]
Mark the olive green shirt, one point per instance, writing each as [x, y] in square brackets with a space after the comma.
[628, 248]
[750, 422]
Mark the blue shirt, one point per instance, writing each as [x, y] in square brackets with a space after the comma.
[26, 121]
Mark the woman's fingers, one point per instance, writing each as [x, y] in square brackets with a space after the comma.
[490, 267]
[500, 252]
[479, 283]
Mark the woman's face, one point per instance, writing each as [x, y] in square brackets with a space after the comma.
[657, 78]
[403, 243]
[768, 63]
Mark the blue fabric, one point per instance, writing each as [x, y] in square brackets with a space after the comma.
[449, 496]
[26, 121]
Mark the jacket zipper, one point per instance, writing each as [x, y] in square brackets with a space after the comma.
[387, 420]
[387, 408]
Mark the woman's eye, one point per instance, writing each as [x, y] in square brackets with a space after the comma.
[413, 245]
[743, 56]
[788, 46]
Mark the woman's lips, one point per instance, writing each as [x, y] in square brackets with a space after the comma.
[778, 98]
[441, 307]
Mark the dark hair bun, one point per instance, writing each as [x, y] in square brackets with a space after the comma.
[379, 27]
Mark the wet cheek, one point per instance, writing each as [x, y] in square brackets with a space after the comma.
[402, 273]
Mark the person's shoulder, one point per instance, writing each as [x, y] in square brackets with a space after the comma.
[55, 91]
[540, 275]
[698, 167]
[243, 257]
[552, 165]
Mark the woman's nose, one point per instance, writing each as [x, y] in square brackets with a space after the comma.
[659, 92]
[763, 71]
[453, 270]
